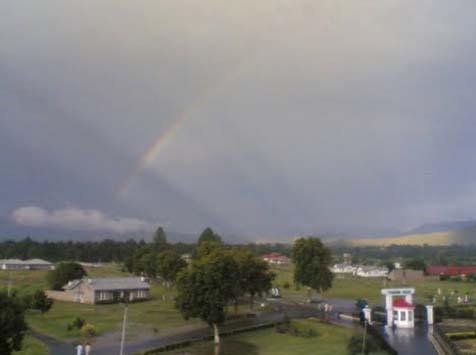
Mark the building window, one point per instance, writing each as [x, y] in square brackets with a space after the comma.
[410, 316]
[403, 316]
[395, 315]
[103, 296]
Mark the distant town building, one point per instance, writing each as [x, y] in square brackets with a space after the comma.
[344, 269]
[32, 264]
[450, 270]
[103, 290]
[347, 257]
[406, 275]
[276, 258]
[371, 271]
[90, 265]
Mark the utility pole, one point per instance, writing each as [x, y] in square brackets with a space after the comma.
[365, 333]
[124, 322]
[9, 288]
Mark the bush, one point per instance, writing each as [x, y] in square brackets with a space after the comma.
[88, 331]
[77, 323]
[297, 329]
[354, 347]
[286, 285]
[461, 335]
[41, 301]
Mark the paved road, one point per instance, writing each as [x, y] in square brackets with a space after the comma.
[109, 344]
[414, 341]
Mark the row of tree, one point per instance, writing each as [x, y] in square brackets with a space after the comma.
[106, 250]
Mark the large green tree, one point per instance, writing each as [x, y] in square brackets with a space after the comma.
[312, 261]
[206, 286]
[64, 272]
[12, 323]
[169, 263]
[255, 276]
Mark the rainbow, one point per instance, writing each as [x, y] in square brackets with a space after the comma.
[158, 145]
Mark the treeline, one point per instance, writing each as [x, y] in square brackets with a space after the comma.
[106, 250]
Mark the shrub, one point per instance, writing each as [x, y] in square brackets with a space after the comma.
[41, 301]
[78, 323]
[88, 331]
[286, 285]
[354, 347]
[297, 329]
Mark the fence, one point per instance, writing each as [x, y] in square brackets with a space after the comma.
[182, 344]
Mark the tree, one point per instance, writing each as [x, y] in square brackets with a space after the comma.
[312, 260]
[12, 323]
[41, 302]
[255, 276]
[169, 263]
[63, 273]
[208, 235]
[389, 265]
[206, 287]
[148, 264]
[416, 264]
[159, 240]
[206, 248]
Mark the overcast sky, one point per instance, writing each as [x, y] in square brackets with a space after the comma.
[269, 118]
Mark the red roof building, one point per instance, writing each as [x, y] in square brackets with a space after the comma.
[276, 258]
[450, 270]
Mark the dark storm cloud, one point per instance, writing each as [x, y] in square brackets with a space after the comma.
[353, 117]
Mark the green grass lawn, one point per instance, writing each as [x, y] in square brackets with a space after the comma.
[157, 315]
[331, 340]
[354, 287]
[31, 346]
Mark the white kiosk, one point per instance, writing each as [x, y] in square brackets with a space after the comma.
[400, 312]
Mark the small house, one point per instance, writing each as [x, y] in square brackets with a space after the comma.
[276, 259]
[32, 264]
[103, 290]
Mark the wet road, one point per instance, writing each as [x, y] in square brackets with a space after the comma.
[414, 341]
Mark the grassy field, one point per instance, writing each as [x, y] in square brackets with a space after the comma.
[354, 287]
[157, 315]
[32, 346]
[331, 340]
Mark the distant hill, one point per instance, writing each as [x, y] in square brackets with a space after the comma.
[461, 235]
[443, 226]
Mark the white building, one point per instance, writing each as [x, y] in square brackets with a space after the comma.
[32, 264]
[343, 269]
[371, 271]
